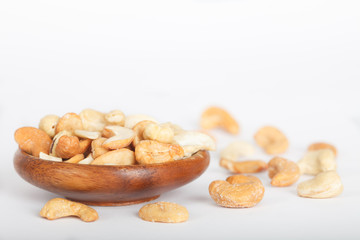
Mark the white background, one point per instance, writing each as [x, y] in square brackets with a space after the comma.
[292, 64]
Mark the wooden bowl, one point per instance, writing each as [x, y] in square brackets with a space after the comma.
[109, 185]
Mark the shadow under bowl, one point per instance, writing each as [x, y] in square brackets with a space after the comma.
[109, 185]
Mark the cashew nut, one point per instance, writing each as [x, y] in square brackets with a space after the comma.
[165, 212]
[132, 120]
[237, 149]
[317, 161]
[320, 146]
[239, 191]
[123, 138]
[32, 140]
[283, 172]
[148, 151]
[214, 117]
[45, 156]
[272, 140]
[67, 146]
[192, 141]
[154, 131]
[87, 134]
[87, 160]
[122, 156]
[59, 207]
[48, 124]
[115, 117]
[69, 122]
[92, 120]
[112, 130]
[324, 185]
[251, 166]
[139, 130]
[97, 149]
[76, 159]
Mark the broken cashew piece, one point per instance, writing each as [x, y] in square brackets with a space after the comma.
[214, 117]
[237, 149]
[115, 117]
[48, 124]
[123, 138]
[164, 212]
[317, 161]
[251, 166]
[272, 140]
[69, 122]
[32, 140]
[132, 120]
[324, 185]
[122, 156]
[148, 151]
[87, 134]
[59, 207]
[97, 149]
[322, 145]
[193, 141]
[45, 156]
[283, 172]
[239, 191]
[156, 132]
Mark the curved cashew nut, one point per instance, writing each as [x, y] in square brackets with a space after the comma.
[317, 161]
[48, 124]
[148, 151]
[214, 117]
[272, 140]
[237, 191]
[165, 212]
[237, 149]
[139, 131]
[122, 156]
[59, 207]
[32, 140]
[283, 172]
[69, 122]
[123, 138]
[251, 166]
[115, 117]
[192, 141]
[156, 132]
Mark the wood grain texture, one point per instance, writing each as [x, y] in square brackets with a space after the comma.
[109, 185]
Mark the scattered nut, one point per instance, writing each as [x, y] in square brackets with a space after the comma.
[272, 140]
[154, 131]
[59, 207]
[115, 117]
[320, 146]
[132, 120]
[69, 122]
[87, 160]
[148, 151]
[45, 156]
[123, 138]
[97, 149]
[122, 156]
[283, 172]
[317, 161]
[214, 117]
[32, 140]
[237, 149]
[87, 134]
[92, 120]
[324, 185]
[67, 146]
[139, 130]
[192, 141]
[251, 166]
[164, 212]
[76, 159]
[48, 124]
[237, 192]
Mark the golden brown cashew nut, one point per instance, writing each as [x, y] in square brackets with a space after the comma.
[69, 122]
[59, 207]
[164, 212]
[122, 156]
[123, 138]
[156, 132]
[139, 130]
[272, 140]
[32, 140]
[283, 172]
[251, 166]
[237, 192]
[97, 149]
[214, 117]
[148, 151]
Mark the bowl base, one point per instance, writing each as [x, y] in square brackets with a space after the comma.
[116, 203]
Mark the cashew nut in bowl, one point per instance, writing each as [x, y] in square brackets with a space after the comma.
[215, 117]
[192, 141]
[132, 120]
[148, 151]
[139, 131]
[48, 124]
[324, 185]
[283, 172]
[317, 161]
[272, 140]
[250, 166]
[92, 120]
[115, 117]
[122, 156]
[69, 122]
[32, 140]
[59, 207]
[123, 138]
[154, 131]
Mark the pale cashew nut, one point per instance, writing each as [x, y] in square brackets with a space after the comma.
[59, 207]
[237, 149]
[115, 117]
[92, 120]
[97, 149]
[139, 130]
[123, 138]
[164, 212]
[156, 132]
[87, 134]
[272, 140]
[87, 160]
[45, 156]
[112, 130]
[214, 117]
[122, 156]
[69, 122]
[192, 141]
[321, 145]
[48, 124]
[250, 166]
[324, 185]
[32, 140]
[132, 120]
[317, 161]
[283, 172]
[148, 151]
[237, 192]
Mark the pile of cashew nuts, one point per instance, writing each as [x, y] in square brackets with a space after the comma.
[97, 138]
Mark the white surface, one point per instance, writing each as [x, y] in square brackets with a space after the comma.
[293, 64]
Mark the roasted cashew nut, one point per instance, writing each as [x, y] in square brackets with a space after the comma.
[215, 117]
[283, 172]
